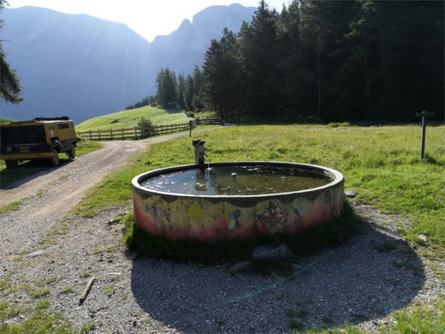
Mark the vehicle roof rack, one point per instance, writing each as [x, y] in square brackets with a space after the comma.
[62, 118]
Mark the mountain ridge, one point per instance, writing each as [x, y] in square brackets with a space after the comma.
[83, 66]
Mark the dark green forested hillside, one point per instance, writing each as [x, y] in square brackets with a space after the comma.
[330, 60]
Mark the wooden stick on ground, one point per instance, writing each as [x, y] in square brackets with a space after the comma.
[86, 290]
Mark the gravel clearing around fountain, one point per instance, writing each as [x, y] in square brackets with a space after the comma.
[362, 282]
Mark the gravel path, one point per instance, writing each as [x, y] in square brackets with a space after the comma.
[362, 282]
[49, 195]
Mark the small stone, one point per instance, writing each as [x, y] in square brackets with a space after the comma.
[239, 267]
[268, 253]
[113, 221]
[351, 194]
[422, 238]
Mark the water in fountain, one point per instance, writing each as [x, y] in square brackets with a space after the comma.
[239, 180]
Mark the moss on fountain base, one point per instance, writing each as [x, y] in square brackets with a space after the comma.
[311, 240]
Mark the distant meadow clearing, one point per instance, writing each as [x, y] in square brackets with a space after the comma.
[130, 118]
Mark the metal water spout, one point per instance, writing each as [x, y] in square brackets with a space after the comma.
[199, 152]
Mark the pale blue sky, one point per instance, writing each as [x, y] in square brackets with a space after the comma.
[147, 17]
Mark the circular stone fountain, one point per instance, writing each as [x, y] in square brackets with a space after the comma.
[236, 201]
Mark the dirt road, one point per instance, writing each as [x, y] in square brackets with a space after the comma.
[79, 175]
[52, 194]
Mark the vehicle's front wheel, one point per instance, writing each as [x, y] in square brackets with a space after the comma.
[11, 164]
[55, 158]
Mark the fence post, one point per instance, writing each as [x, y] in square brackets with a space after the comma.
[424, 115]
[111, 133]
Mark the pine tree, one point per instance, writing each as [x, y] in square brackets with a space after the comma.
[197, 94]
[220, 84]
[166, 88]
[292, 73]
[181, 92]
[9, 82]
[324, 25]
[189, 91]
[259, 57]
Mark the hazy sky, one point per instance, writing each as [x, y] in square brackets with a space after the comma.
[147, 17]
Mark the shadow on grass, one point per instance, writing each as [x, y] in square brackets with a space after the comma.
[369, 276]
[25, 172]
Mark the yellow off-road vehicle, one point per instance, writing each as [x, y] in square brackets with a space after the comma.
[40, 138]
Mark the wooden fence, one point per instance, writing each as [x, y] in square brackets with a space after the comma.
[141, 132]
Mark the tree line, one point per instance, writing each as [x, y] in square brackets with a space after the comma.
[330, 60]
[325, 60]
[176, 92]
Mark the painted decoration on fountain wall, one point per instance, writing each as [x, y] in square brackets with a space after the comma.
[188, 217]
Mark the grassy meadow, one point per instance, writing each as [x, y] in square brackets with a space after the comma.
[381, 163]
[130, 118]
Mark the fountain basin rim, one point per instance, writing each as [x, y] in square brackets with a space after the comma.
[335, 175]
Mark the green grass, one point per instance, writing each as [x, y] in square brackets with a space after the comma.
[5, 120]
[420, 319]
[39, 293]
[27, 168]
[381, 163]
[22, 315]
[67, 289]
[39, 322]
[347, 329]
[9, 310]
[87, 146]
[88, 327]
[42, 304]
[14, 206]
[130, 118]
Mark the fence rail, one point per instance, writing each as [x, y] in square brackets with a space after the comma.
[141, 132]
